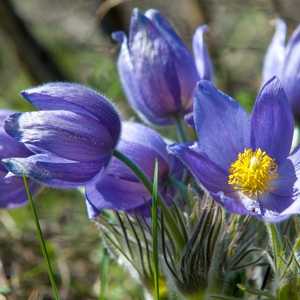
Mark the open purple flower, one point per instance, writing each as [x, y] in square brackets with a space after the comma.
[157, 71]
[243, 161]
[71, 138]
[119, 188]
[283, 60]
[12, 189]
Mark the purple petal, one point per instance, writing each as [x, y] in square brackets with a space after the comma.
[186, 72]
[12, 191]
[291, 71]
[221, 124]
[154, 67]
[231, 202]
[143, 146]
[158, 85]
[203, 61]
[140, 155]
[283, 199]
[284, 185]
[208, 174]
[294, 207]
[143, 210]
[274, 59]
[55, 171]
[9, 146]
[146, 137]
[168, 32]
[78, 99]
[4, 113]
[130, 84]
[66, 134]
[109, 193]
[272, 121]
[281, 195]
[119, 188]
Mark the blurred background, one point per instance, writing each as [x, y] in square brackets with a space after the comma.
[69, 40]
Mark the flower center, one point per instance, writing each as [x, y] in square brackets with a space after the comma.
[252, 172]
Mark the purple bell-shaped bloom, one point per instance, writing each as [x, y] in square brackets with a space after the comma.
[12, 191]
[157, 71]
[118, 188]
[283, 60]
[244, 161]
[72, 137]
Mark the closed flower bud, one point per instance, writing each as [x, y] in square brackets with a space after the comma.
[72, 137]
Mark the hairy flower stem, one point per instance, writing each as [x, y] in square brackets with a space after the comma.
[171, 223]
[42, 241]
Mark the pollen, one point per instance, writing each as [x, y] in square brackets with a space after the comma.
[252, 173]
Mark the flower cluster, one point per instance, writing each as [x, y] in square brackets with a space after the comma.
[242, 161]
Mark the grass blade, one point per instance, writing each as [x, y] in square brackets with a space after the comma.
[104, 267]
[42, 240]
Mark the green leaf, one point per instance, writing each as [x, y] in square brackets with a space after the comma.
[276, 245]
[104, 264]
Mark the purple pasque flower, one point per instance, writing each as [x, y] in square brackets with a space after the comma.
[118, 188]
[283, 60]
[12, 189]
[244, 161]
[71, 138]
[157, 71]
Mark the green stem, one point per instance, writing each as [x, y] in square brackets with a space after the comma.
[182, 137]
[170, 220]
[154, 223]
[42, 240]
[181, 134]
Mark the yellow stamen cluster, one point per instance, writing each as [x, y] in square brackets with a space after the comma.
[252, 172]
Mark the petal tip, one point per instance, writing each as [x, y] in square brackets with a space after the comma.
[274, 83]
[10, 124]
[152, 13]
[136, 13]
[9, 165]
[204, 86]
[202, 28]
[119, 36]
[176, 149]
[26, 94]
[280, 25]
